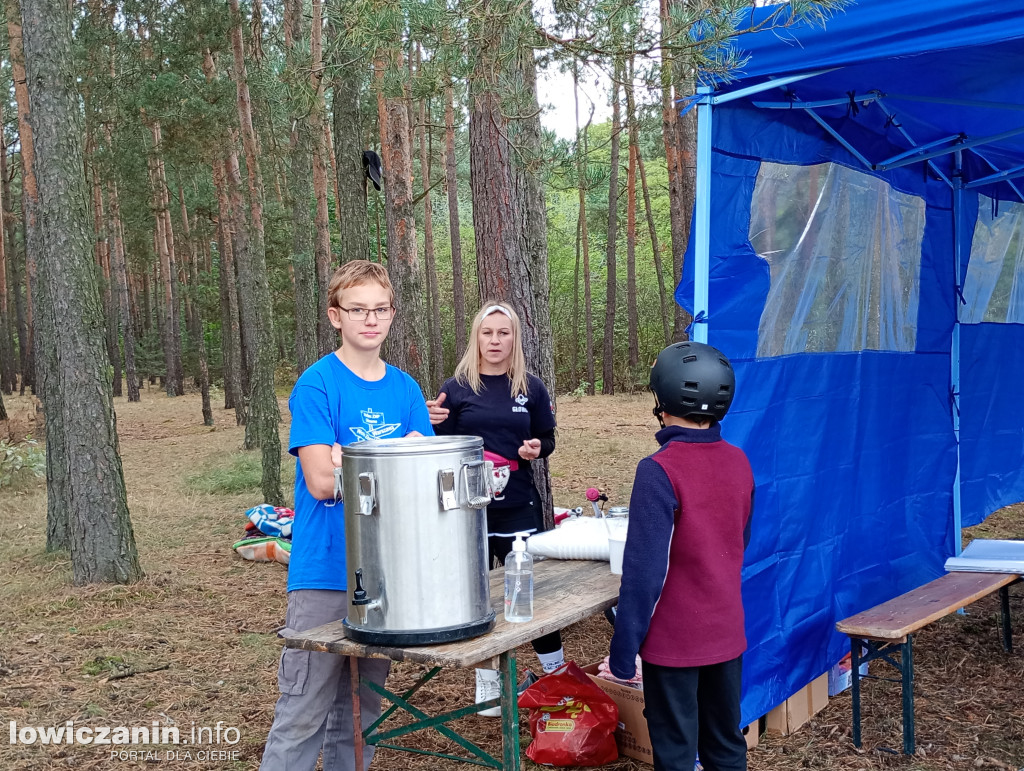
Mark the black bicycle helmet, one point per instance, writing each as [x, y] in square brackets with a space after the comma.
[692, 379]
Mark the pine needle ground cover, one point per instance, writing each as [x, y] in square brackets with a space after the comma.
[194, 643]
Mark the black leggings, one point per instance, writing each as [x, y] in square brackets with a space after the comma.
[499, 547]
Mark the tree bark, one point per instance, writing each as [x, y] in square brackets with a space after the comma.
[194, 318]
[434, 313]
[231, 346]
[41, 325]
[7, 365]
[101, 537]
[120, 271]
[679, 152]
[322, 160]
[101, 237]
[632, 326]
[581, 163]
[307, 348]
[170, 321]
[454, 223]
[17, 278]
[407, 342]
[656, 250]
[608, 354]
[254, 291]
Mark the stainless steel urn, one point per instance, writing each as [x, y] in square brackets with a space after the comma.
[416, 540]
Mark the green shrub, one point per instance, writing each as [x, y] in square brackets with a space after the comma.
[242, 474]
[21, 464]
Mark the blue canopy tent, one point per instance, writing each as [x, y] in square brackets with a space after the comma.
[858, 251]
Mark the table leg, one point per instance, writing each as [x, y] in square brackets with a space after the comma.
[509, 712]
[357, 715]
[1004, 603]
[855, 687]
[907, 669]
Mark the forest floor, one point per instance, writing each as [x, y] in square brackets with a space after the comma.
[199, 629]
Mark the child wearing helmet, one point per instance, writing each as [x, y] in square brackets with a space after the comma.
[680, 606]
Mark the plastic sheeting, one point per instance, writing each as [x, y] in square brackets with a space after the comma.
[845, 255]
[994, 287]
[852, 443]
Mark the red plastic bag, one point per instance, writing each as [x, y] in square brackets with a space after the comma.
[572, 721]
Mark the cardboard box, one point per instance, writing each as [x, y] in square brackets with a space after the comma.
[799, 708]
[840, 677]
[632, 736]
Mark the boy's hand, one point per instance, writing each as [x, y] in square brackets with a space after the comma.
[530, 449]
[438, 414]
[336, 455]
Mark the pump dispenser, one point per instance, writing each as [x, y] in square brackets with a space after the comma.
[519, 582]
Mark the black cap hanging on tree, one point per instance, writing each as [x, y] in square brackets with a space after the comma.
[372, 167]
[692, 380]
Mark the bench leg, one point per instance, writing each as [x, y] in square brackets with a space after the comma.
[855, 687]
[509, 712]
[1004, 602]
[907, 671]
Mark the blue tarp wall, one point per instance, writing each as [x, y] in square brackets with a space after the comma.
[833, 287]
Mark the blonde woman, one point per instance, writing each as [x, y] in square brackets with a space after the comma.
[493, 396]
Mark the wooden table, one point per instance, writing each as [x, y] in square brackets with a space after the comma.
[565, 591]
[889, 628]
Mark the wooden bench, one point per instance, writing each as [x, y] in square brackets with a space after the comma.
[889, 628]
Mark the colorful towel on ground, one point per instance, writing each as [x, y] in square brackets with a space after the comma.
[272, 520]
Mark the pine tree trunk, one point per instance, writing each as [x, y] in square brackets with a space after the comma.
[228, 304]
[307, 349]
[454, 224]
[322, 160]
[434, 313]
[662, 293]
[102, 250]
[17, 279]
[231, 346]
[348, 150]
[407, 343]
[170, 321]
[7, 366]
[608, 355]
[581, 162]
[254, 291]
[239, 247]
[101, 537]
[41, 327]
[680, 137]
[632, 326]
[120, 272]
[194, 318]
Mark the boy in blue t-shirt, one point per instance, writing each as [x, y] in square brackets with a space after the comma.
[347, 396]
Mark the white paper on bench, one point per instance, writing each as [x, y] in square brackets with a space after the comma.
[985, 555]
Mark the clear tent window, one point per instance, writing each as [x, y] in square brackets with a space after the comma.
[844, 250]
[994, 285]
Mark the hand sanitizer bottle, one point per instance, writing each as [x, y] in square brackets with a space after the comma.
[519, 582]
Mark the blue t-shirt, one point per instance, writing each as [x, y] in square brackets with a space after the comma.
[331, 404]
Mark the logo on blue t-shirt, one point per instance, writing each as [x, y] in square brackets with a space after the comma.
[373, 426]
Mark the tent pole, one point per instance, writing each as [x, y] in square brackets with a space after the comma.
[954, 358]
[702, 224]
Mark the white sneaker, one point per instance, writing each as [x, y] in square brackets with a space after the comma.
[488, 686]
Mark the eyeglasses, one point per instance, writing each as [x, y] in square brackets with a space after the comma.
[359, 314]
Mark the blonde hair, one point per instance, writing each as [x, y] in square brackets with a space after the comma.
[468, 370]
[357, 273]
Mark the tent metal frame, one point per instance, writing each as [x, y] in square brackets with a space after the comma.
[956, 144]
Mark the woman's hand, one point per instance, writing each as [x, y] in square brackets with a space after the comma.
[438, 414]
[530, 449]
[336, 455]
